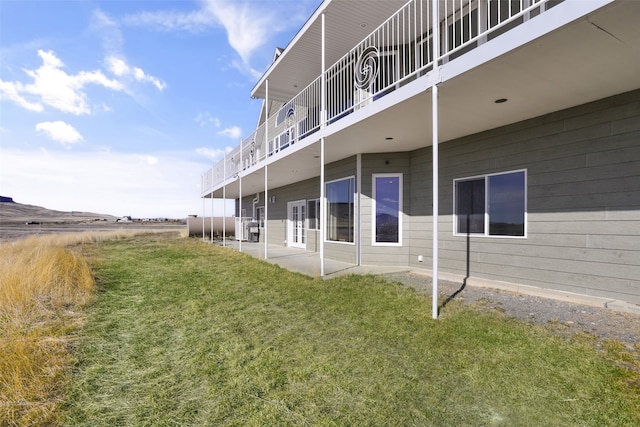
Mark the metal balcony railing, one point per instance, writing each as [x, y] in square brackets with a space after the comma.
[398, 51]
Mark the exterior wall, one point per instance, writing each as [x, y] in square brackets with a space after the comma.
[583, 202]
[420, 209]
[583, 171]
[375, 164]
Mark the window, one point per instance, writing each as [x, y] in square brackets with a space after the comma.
[260, 215]
[491, 205]
[340, 210]
[387, 209]
[313, 214]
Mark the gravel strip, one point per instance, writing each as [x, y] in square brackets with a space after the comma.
[564, 317]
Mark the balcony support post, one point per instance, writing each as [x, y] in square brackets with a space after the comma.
[323, 80]
[323, 123]
[204, 211]
[358, 210]
[239, 172]
[266, 172]
[323, 209]
[224, 203]
[434, 144]
[211, 231]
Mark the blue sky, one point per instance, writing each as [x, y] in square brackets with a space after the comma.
[118, 107]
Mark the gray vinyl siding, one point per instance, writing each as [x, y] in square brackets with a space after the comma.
[277, 212]
[583, 172]
[396, 163]
[583, 202]
[420, 230]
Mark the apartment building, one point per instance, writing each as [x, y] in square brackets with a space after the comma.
[479, 139]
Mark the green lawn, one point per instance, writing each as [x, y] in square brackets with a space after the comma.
[185, 333]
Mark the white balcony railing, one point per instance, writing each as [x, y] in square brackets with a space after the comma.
[398, 51]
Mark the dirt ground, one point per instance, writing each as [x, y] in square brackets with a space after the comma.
[560, 316]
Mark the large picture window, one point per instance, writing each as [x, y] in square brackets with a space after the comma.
[491, 205]
[387, 209]
[340, 210]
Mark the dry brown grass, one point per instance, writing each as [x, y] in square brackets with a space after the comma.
[44, 283]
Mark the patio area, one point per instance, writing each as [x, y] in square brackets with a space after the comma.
[305, 262]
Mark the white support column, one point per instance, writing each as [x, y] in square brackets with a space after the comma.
[323, 108]
[204, 213]
[211, 231]
[224, 202]
[240, 215]
[358, 210]
[435, 251]
[266, 209]
[434, 143]
[266, 172]
[323, 208]
[239, 172]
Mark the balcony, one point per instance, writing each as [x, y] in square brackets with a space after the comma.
[397, 52]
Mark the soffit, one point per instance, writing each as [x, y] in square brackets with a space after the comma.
[347, 23]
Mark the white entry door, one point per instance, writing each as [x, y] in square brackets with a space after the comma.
[296, 233]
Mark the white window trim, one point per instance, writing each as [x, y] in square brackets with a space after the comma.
[486, 210]
[355, 210]
[373, 208]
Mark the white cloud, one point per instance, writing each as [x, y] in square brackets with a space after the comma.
[206, 118]
[108, 30]
[234, 132]
[117, 66]
[52, 86]
[149, 160]
[140, 185]
[120, 68]
[112, 40]
[211, 153]
[194, 21]
[248, 24]
[60, 132]
[11, 91]
[142, 77]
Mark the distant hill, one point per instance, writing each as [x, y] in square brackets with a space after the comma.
[12, 212]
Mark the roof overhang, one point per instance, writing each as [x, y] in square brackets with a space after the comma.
[347, 23]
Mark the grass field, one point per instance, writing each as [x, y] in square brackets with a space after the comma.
[45, 282]
[185, 333]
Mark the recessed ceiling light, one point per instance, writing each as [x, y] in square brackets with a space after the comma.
[363, 25]
[500, 100]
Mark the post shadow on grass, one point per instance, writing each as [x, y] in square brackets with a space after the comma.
[467, 272]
